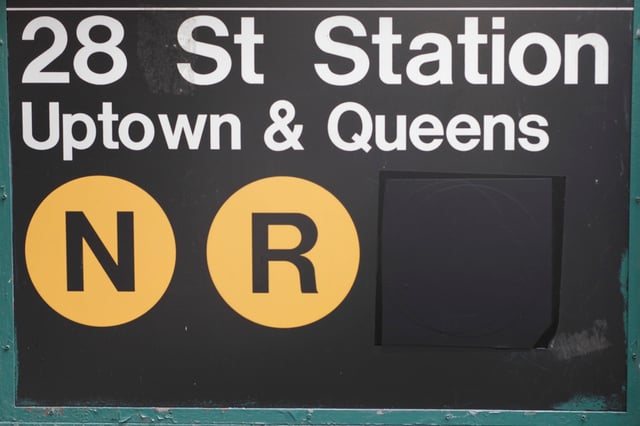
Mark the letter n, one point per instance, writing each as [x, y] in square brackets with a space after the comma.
[120, 271]
[262, 254]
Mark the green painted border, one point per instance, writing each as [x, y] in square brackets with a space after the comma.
[10, 414]
[8, 367]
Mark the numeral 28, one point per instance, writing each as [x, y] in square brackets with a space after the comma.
[34, 72]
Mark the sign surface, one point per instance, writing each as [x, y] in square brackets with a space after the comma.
[365, 206]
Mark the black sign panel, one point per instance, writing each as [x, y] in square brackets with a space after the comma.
[407, 205]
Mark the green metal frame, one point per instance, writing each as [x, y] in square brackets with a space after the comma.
[583, 411]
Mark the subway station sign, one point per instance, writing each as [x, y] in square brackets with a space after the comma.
[416, 205]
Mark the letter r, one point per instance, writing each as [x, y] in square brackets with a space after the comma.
[262, 254]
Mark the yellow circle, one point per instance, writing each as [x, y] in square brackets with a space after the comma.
[335, 252]
[100, 302]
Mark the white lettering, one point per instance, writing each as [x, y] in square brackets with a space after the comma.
[182, 128]
[247, 39]
[217, 53]
[353, 53]
[553, 59]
